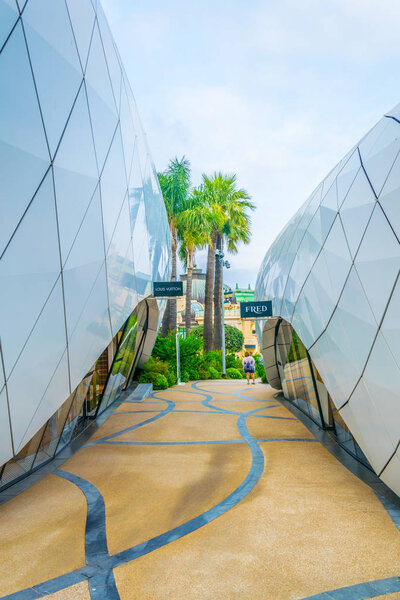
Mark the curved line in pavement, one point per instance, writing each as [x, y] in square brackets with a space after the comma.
[252, 478]
[170, 407]
[102, 584]
[106, 563]
[361, 591]
[95, 534]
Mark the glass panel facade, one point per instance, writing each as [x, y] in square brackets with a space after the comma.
[302, 384]
[100, 387]
[83, 226]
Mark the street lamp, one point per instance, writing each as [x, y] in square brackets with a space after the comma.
[219, 256]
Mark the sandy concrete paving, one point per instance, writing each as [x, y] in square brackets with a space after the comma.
[307, 526]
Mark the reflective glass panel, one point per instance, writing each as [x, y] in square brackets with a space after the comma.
[120, 272]
[389, 197]
[82, 18]
[391, 324]
[54, 58]
[378, 262]
[92, 332]
[56, 392]
[122, 362]
[114, 187]
[23, 147]
[75, 173]
[8, 16]
[29, 268]
[84, 263]
[36, 365]
[356, 211]
[102, 107]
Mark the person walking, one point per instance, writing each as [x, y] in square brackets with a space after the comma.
[249, 366]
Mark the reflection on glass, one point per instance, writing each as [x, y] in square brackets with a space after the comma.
[302, 384]
[295, 371]
[122, 362]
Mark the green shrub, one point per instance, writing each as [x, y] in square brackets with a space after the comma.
[158, 380]
[214, 374]
[233, 373]
[264, 379]
[204, 373]
[155, 365]
[171, 378]
[193, 374]
[213, 359]
[185, 376]
[230, 361]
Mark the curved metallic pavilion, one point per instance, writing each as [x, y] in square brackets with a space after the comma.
[333, 345]
[83, 228]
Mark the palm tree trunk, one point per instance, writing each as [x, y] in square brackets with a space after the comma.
[188, 308]
[217, 337]
[172, 301]
[208, 300]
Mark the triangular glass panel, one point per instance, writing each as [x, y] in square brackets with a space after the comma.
[372, 137]
[92, 333]
[347, 176]
[8, 17]
[141, 250]
[329, 200]
[83, 263]
[28, 269]
[336, 256]
[357, 319]
[36, 365]
[382, 380]
[378, 262]
[120, 272]
[54, 59]
[381, 156]
[56, 393]
[365, 423]
[127, 130]
[103, 111]
[389, 197]
[114, 187]
[356, 211]
[330, 179]
[23, 148]
[391, 324]
[75, 173]
[82, 18]
[114, 67]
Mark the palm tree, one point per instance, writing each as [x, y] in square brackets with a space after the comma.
[175, 184]
[232, 225]
[194, 227]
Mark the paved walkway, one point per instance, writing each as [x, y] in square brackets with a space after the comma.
[208, 491]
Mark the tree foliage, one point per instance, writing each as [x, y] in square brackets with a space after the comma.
[234, 338]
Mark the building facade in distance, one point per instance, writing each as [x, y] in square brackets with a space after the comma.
[83, 228]
[333, 344]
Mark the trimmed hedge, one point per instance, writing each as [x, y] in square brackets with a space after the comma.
[233, 373]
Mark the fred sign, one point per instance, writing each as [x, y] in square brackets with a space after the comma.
[256, 310]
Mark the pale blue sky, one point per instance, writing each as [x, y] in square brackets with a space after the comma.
[276, 91]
